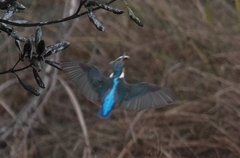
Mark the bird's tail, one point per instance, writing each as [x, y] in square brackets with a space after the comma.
[103, 115]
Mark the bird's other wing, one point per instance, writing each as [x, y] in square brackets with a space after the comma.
[90, 81]
[145, 95]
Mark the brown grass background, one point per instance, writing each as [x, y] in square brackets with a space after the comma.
[190, 45]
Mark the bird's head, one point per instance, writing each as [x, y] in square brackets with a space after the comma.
[118, 68]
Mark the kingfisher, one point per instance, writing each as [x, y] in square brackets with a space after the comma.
[114, 91]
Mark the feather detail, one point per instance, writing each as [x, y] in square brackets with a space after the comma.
[144, 96]
[90, 81]
[109, 101]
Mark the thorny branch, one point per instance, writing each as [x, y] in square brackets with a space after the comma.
[77, 14]
[36, 58]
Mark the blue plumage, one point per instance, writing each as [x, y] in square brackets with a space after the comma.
[115, 91]
[109, 101]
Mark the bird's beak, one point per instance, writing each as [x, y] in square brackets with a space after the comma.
[124, 56]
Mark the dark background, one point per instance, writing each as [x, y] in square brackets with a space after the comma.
[191, 46]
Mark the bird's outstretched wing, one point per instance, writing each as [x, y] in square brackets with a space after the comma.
[92, 84]
[144, 95]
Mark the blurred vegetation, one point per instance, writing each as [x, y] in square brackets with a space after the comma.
[192, 46]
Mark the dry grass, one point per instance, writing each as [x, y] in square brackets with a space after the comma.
[192, 46]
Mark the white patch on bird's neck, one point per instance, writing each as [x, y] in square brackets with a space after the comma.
[121, 76]
[111, 75]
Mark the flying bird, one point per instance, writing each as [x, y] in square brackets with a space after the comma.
[114, 91]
